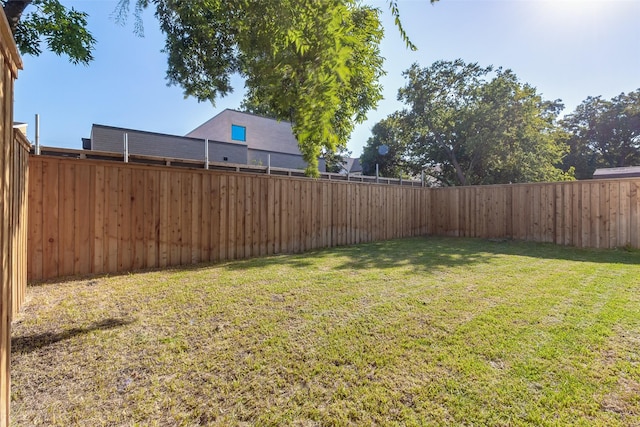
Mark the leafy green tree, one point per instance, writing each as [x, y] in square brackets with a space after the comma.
[386, 148]
[604, 133]
[63, 30]
[315, 63]
[476, 125]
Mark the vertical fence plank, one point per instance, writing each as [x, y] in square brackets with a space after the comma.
[124, 220]
[238, 208]
[111, 220]
[50, 221]
[185, 218]
[138, 245]
[215, 202]
[196, 224]
[611, 206]
[624, 225]
[326, 215]
[595, 215]
[285, 214]
[277, 214]
[204, 220]
[263, 204]
[151, 225]
[35, 251]
[83, 218]
[99, 229]
[174, 224]
[224, 218]
[566, 210]
[634, 213]
[606, 222]
[66, 225]
[256, 201]
[164, 220]
[246, 229]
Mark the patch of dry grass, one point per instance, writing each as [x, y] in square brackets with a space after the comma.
[423, 331]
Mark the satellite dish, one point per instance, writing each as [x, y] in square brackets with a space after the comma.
[383, 149]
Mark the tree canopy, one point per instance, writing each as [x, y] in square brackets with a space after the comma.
[386, 148]
[604, 133]
[63, 30]
[467, 124]
[316, 64]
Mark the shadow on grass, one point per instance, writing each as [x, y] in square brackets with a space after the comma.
[428, 253]
[28, 343]
[421, 253]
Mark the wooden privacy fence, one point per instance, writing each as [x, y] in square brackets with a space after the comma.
[595, 214]
[19, 214]
[13, 212]
[92, 217]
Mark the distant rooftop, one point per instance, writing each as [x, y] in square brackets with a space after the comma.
[624, 172]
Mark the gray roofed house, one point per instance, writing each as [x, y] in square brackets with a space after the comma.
[261, 135]
[622, 172]
[111, 139]
[233, 136]
[352, 166]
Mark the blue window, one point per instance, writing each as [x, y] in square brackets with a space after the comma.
[238, 133]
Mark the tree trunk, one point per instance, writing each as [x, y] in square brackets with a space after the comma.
[454, 160]
[13, 11]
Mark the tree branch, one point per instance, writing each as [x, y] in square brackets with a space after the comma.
[13, 11]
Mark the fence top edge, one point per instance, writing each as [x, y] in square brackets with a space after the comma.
[69, 154]
[8, 47]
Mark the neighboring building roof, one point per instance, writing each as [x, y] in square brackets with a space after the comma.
[624, 172]
[145, 132]
[263, 133]
[110, 139]
[353, 165]
[22, 127]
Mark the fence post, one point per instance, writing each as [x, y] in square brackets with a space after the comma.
[269, 164]
[377, 173]
[206, 153]
[37, 134]
[126, 147]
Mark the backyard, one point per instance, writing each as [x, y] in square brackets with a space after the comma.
[421, 331]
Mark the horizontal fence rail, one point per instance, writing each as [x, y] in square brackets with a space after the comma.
[95, 217]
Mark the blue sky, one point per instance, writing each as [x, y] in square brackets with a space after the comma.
[567, 49]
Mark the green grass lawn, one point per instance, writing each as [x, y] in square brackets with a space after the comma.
[424, 331]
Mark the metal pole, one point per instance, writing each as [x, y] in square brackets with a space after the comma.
[206, 153]
[126, 148]
[269, 164]
[422, 177]
[377, 173]
[37, 134]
